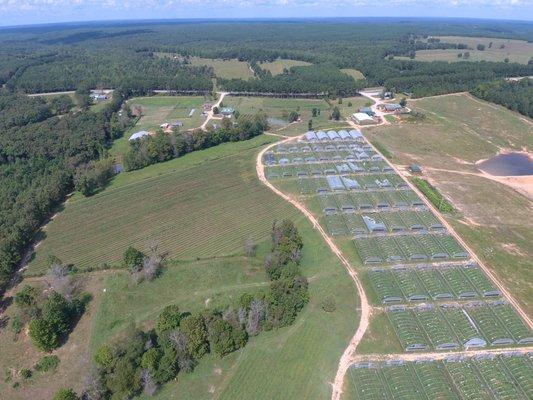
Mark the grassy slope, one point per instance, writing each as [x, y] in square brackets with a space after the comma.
[308, 352]
[190, 205]
[494, 219]
[354, 73]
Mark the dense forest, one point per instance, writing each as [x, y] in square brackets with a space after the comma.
[516, 96]
[59, 57]
[40, 152]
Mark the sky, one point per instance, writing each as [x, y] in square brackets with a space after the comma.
[26, 12]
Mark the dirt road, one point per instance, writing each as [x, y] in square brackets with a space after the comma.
[210, 114]
[366, 311]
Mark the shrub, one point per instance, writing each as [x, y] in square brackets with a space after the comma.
[65, 394]
[329, 305]
[47, 363]
[25, 373]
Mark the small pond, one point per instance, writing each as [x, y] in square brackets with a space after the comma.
[276, 121]
[508, 164]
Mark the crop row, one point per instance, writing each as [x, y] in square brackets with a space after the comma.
[448, 326]
[423, 283]
[498, 377]
[389, 249]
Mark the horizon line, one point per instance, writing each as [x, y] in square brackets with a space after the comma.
[258, 19]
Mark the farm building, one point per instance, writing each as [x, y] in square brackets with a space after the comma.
[415, 168]
[390, 107]
[362, 118]
[367, 110]
[139, 135]
[227, 111]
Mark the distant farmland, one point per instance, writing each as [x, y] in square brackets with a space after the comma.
[191, 205]
[277, 67]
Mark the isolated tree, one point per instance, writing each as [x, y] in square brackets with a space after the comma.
[310, 125]
[480, 47]
[133, 259]
[403, 102]
[336, 114]
[216, 111]
[314, 112]
[293, 116]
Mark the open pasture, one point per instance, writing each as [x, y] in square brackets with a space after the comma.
[496, 50]
[278, 66]
[501, 377]
[190, 205]
[228, 69]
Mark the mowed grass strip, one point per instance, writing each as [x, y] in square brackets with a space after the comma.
[193, 210]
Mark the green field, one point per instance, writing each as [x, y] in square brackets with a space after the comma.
[493, 218]
[191, 205]
[354, 73]
[308, 350]
[228, 69]
[518, 51]
[279, 109]
[277, 67]
[201, 205]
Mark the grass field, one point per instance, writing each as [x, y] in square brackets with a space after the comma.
[518, 51]
[279, 109]
[354, 73]
[190, 205]
[228, 69]
[277, 67]
[308, 350]
[493, 218]
[201, 205]
[157, 110]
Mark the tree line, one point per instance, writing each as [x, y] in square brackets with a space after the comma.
[42, 153]
[516, 96]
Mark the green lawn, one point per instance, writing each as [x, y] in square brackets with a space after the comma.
[277, 67]
[191, 205]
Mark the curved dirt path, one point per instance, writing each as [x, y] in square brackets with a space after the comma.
[347, 357]
[210, 114]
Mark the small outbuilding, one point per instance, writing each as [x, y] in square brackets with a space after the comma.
[362, 119]
[227, 111]
[367, 110]
[415, 168]
[139, 135]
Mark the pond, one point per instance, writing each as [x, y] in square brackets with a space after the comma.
[276, 121]
[508, 164]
